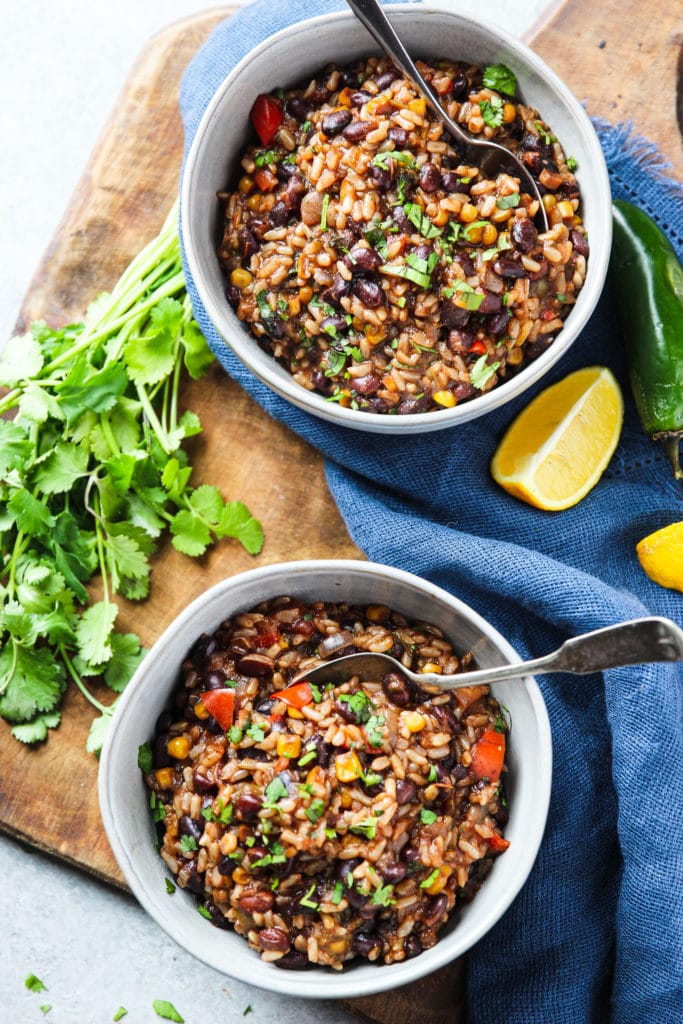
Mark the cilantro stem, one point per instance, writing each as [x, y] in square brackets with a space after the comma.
[102, 708]
[105, 423]
[153, 419]
[10, 674]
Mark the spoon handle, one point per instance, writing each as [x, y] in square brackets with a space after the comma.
[378, 25]
[627, 643]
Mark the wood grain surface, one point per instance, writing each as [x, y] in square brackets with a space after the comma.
[622, 58]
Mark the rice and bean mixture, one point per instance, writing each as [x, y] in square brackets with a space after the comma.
[374, 265]
[328, 823]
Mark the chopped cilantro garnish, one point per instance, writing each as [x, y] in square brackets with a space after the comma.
[467, 297]
[256, 732]
[492, 111]
[188, 844]
[250, 841]
[373, 730]
[409, 273]
[247, 1010]
[45, 1008]
[306, 900]
[266, 156]
[275, 790]
[306, 126]
[482, 371]
[145, 758]
[170, 887]
[317, 695]
[560, 296]
[359, 703]
[430, 879]
[432, 777]
[338, 893]
[381, 897]
[401, 301]
[310, 755]
[264, 305]
[336, 361]
[224, 813]
[158, 809]
[420, 220]
[120, 1013]
[204, 912]
[367, 828]
[371, 778]
[167, 1010]
[500, 78]
[508, 202]
[427, 817]
[34, 984]
[323, 212]
[571, 163]
[547, 135]
[235, 734]
[315, 811]
[382, 159]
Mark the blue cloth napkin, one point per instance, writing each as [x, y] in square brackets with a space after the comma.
[597, 932]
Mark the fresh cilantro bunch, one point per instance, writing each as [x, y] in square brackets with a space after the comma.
[92, 473]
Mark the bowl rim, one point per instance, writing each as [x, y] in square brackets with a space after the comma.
[237, 338]
[329, 985]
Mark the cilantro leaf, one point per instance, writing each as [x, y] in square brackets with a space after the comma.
[482, 372]
[167, 1010]
[84, 389]
[31, 515]
[34, 984]
[98, 731]
[427, 817]
[237, 521]
[508, 202]
[190, 534]
[31, 680]
[120, 1014]
[20, 359]
[197, 355]
[500, 78]
[188, 844]
[93, 632]
[145, 758]
[492, 111]
[35, 731]
[65, 464]
[127, 653]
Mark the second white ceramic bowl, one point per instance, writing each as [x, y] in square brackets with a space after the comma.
[298, 52]
[124, 799]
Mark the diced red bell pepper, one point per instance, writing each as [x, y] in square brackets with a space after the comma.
[268, 632]
[296, 696]
[265, 179]
[220, 704]
[266, 116]
[497, 844]
[478, 347]
[488, 755]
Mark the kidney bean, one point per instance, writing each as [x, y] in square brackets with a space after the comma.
[363, 943]
[256, 665]
[491, 303]
[507, 266]
[523, 234]
[396, 689]
[406, 791]
[274, 938]
[446, 718]
[202, 783]
[256, 902]
[450, 182]
[369, 292]
[452, 315]
[335, 122]
[359, 97]
[357, 130]
[321, 383]
[412, 947]
[460, 340]
[381, 177]
[394, 872]
[435, 909]
[298, 108]
[386, 925]
[579, 241]
[279, 215]
[247, 806]
[460, 87]
[226, 865]
[188, 826]
[366, 385]
[541, 272]
[311, 208]
[241, 645]
[410, 855]
[430, 177]
[496, 323]
[233, 295]
[463, 390]
[248, 243]
[399, 136]
[334, 325]
[386, 78]
[408, 405]
[363, 258]
[345, 711]
[293, 961]
[293, 193]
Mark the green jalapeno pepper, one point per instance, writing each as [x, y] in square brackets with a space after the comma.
[648, 280]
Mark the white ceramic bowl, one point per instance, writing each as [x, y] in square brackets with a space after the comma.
[124, 798]
[295, 53]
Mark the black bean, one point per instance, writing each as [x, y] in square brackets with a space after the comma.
[226, 865]
[233, 295]
[279, 215]
[298, 108]
[375, 404]
[446, 719]
[386, 78]
[336, 121]
[381, 177]
[285, 170]
[253, 753]
[398, 650]
[249, 243]
[265, 706]
[394, 872]
[256, 664]
[496, 324]
[400, 219]
[507, 266]
[412, 947]
[202, 783]
[368, 912]
[386, 925]
[450, 182]
[423, 251]
[195, 881]
[258, 226]
[161, 757]
[410, 854]
[466, 264]
[430, 177]
[321, 383]
[247, 806]
[369, 292]
[357, 130]
[363, 258]
[502, 816]
[537, 348]
[334, 325]
[358, 98]
[345, 711]
[533, 162]
[356, 899]
[409, 405]
[463, 390]
[293, 961]
[460, 339]
[203, 649]
[193, 827]
[365, 385]
[530, 143]
[164, 721]
[459, 772]
[406, 791]
[491, 303]
[516, 128]
[364, 944]
[579, 241]
[214, 680]
[350, 78]
[396, 689]
[523, 234]
[241, 645]
[435, 909]
[293, 193]
[399, 136]
[345, 867]
[460, 87]
[452, 315]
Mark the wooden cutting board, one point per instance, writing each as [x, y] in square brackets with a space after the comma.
[608, 54]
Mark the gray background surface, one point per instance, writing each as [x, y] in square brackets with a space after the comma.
[62, 65]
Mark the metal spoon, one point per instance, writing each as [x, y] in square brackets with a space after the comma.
[628, 643]
[491, 158]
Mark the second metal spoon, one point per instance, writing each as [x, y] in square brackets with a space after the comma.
[490, 157]
[628, 643]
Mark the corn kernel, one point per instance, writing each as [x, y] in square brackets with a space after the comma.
[377, 612]
[474, 235]
[509, 113]
[254, 202]
[245, 185]
[283, 644]
[445, 398]
[566, 208]
[346, 800]
[441, 218]
[240, 876]
[294, 306]
[201, 711]
[294, 713]
[413, 721]
[344, 97]
[418, 106]
[316, 776]
[489, 234]
[305, 294]
[431, 666]
[338, 946]
[347, 767]
[375, 336]
[178, 748]
[240, 278]
[164, 777]
[468, 213]
[431, 792]
[439, 883]
[549, 200]
[288, 745]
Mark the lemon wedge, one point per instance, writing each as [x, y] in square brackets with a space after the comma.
[560, 444]
[661, 556]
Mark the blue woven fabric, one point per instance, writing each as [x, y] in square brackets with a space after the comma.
[596, 933]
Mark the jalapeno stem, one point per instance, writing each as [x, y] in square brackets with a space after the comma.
[672, 448]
